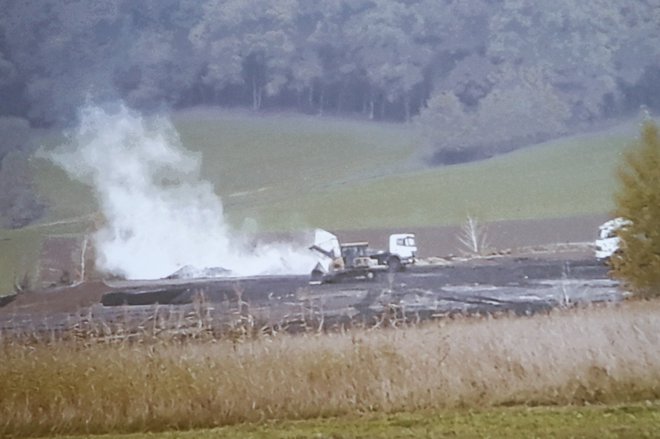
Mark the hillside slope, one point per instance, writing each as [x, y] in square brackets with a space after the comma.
[287, 172]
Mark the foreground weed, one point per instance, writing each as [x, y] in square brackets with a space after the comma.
[603, 355]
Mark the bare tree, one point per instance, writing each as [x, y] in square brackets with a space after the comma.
[473, 236]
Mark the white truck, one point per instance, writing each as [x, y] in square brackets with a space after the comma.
[356, 260]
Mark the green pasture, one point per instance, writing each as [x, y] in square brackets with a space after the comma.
[631, 420]
[284, 172]
[288, 172]
[558, 179]
[261, 165]
[19, 250]
[292, 172]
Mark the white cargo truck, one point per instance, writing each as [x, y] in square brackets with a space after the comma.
[356, 260]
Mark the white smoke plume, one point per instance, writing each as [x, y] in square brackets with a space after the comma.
[160, 216]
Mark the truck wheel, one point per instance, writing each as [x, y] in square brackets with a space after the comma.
[394, 264]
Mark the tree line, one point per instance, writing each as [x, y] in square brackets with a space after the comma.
[382, 59]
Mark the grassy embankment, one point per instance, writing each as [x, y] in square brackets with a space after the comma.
[457, 372]
[637, 420]
[290, 172]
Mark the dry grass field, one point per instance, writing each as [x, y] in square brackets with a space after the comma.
[83, 385]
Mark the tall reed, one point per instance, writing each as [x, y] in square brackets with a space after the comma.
[573, 356]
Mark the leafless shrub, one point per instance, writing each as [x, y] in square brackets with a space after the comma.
[473, 236]
[565, 301]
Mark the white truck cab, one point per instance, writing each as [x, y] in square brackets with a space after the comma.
[403, 246]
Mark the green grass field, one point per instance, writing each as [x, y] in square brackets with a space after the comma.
[293, 172]
[600, 421]
[562, 179]
[263, 168]
[290, 172]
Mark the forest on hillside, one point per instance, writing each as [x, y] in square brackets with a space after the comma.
[477, 76]
[386, 59]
